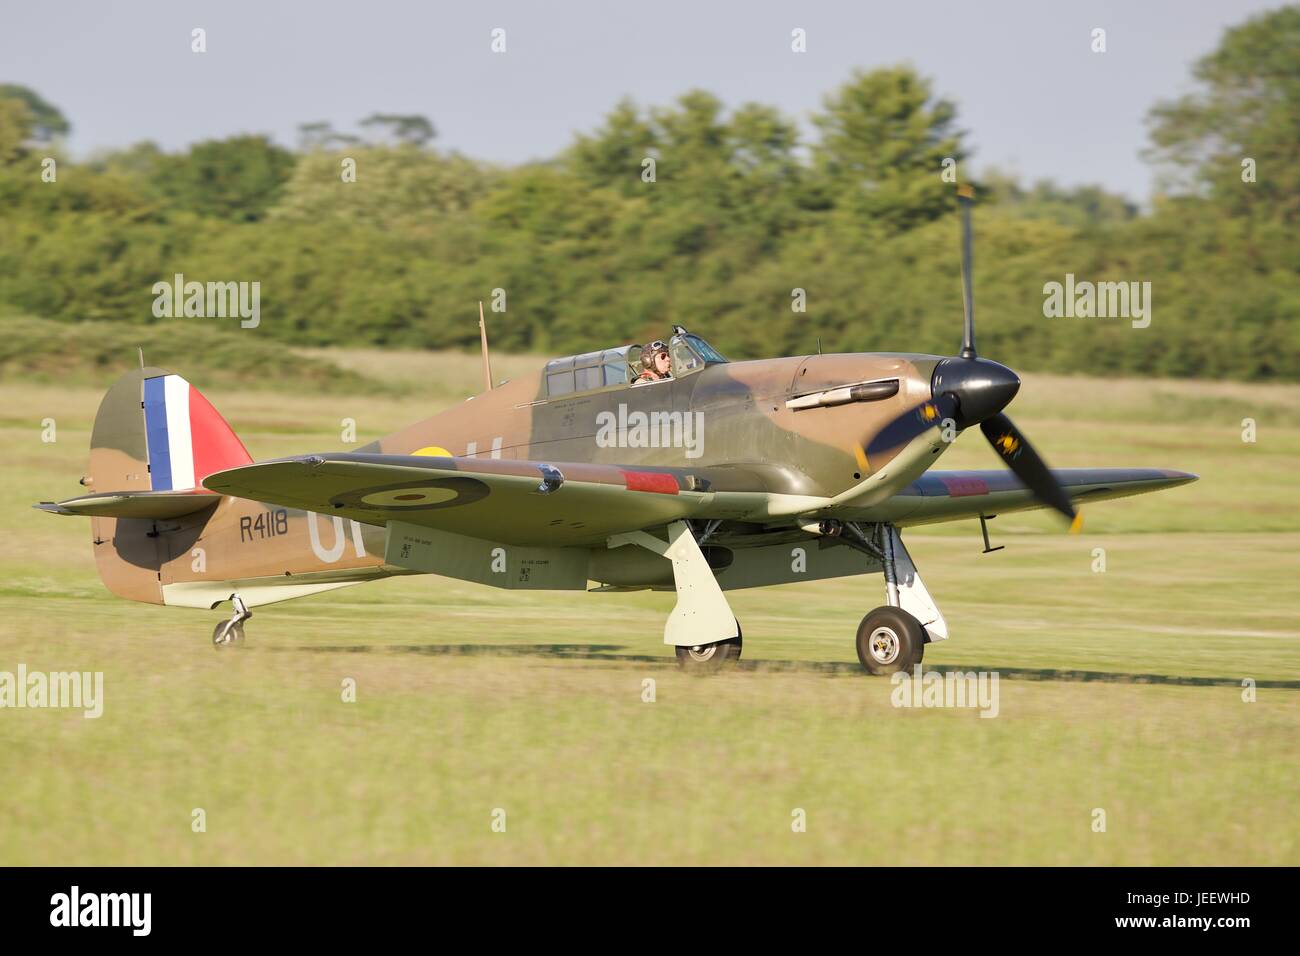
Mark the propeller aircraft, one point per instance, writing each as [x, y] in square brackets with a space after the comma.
[721, 475]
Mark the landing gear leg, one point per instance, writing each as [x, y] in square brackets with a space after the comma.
[892, 638]
[232, 631]
[701, 628]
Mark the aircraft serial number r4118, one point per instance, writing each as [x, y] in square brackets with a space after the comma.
[269, 524]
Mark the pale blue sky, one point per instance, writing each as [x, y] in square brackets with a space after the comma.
[1030, 92]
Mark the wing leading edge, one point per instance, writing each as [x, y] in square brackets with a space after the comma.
[950, 495]
[575, 504]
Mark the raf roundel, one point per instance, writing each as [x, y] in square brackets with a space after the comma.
[421, 495]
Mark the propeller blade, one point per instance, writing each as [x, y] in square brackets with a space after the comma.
[911, 423]
[1012, 447]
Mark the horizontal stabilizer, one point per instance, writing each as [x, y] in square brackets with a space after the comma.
[133, 504]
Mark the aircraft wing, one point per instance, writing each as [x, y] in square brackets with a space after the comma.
[505, 500]
[950, 495]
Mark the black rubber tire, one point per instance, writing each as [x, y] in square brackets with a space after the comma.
[890, 640]
[237, 636]
[709, 658]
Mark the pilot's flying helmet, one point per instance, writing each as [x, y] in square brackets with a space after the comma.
[654, 348]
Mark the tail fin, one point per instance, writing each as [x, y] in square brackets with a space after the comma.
[154, 440]
[156, 432]
[187, 438]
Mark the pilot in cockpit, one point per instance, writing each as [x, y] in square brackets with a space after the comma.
[656, 362]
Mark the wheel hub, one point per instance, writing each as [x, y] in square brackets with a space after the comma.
[884, 645]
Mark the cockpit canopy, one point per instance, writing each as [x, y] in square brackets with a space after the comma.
[581, 373]
[622, 366]
[690, 352]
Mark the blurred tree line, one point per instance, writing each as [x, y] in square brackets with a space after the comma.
[694, 215]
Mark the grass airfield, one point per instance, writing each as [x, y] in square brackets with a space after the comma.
[1120, 690]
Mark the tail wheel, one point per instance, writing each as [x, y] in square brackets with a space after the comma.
[707, 658]
[226, 634]
[890, 640]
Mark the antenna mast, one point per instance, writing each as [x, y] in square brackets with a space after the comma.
[487, 364]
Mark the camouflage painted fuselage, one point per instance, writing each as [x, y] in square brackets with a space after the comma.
[728, 423]
[760, 452]
[742, 434]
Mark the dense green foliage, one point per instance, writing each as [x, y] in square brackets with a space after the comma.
[696, 215]
[39, 350]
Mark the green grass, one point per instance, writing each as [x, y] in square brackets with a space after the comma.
[1121, 690]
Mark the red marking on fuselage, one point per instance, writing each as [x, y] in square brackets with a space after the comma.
[650, 481]
[965, 487]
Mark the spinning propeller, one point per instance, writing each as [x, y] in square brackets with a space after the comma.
[970, 391]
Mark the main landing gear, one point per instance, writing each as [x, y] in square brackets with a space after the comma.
[706, 636]
[707, 658]
[231, 632]
[892, 638]
[704, 633]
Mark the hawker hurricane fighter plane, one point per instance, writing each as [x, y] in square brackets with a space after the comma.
[615, 470]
